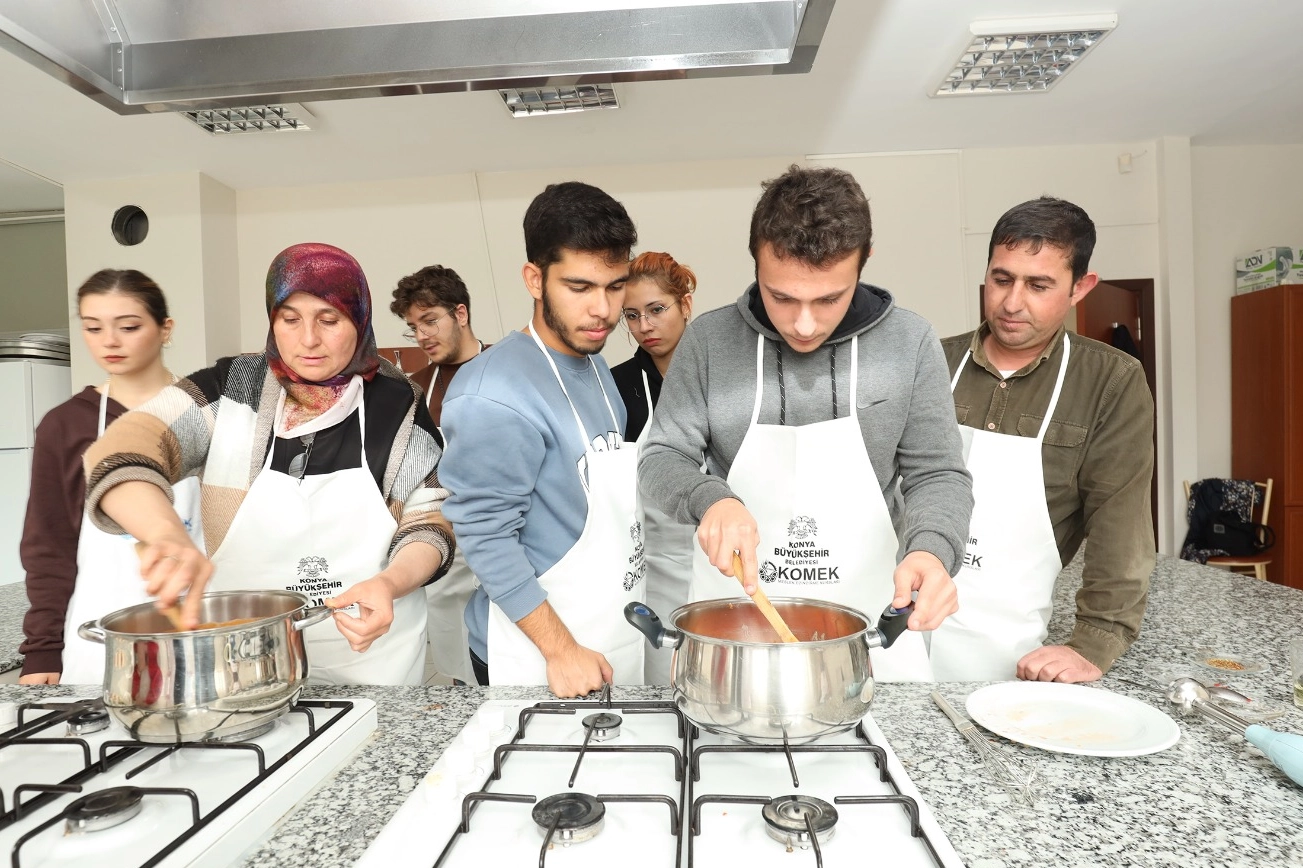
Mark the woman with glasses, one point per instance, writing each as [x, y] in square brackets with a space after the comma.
[318, 462]
[75, 571]
[657, 305]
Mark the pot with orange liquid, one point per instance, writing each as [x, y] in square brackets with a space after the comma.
[225, 680]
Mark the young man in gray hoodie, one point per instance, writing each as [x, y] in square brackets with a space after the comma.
[823, 412]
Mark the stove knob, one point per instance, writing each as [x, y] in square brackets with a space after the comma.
[438, 789]
[476, 739]
[458, 760]
[493, 718]
[8, 715]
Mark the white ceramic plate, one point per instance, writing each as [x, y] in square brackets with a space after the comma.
[1069, 718]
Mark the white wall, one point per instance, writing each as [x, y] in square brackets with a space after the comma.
[1244, 198]
[34, 277]
[392, 228]
[181, 252]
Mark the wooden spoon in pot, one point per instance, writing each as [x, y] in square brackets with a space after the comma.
[766, 608]
[173, 612]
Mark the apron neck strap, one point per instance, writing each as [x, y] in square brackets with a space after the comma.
[104, 408]
[579, 423]
[760, 379]
[646, 388]
[280, 411]
[1054, 398]
[429, 390]
[1058, 388]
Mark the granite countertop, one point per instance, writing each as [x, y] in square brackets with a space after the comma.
[1210, 800]
[13, 605]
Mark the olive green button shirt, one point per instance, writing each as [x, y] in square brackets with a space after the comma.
[1098, 459]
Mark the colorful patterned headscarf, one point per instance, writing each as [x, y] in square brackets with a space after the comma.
[333, 276]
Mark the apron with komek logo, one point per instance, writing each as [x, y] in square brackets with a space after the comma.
[669, 563]
[825, 531]
[1006, 587]
[318, 536]
[108, 576]
[601, 573]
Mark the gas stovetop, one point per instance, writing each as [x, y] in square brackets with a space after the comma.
[577, 784]
[76, 791]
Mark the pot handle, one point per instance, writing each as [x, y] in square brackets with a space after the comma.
[317, 614]
[91, 631]
[649, 624]
[891, 624]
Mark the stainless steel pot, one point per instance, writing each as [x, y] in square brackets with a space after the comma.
[731, 676]
[222, 683]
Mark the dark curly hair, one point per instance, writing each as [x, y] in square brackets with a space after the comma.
[817, 215]
[432, 286]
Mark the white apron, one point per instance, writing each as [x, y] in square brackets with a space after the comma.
[825, 532]
[108, 576]
[445, 605]
[319, 536]
[669, 564]
[593, 582]
[1006, 587]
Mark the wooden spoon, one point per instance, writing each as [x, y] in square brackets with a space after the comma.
[173, 612]
[766, 608]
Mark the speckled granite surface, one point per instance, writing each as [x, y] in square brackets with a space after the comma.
[13, 605]
[1211, 800]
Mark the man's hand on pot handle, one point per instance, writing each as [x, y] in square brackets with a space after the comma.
[937, 599]
[728, 527]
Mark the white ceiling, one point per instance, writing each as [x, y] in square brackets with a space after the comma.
[1216, 71]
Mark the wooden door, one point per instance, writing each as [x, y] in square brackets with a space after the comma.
[409, 359]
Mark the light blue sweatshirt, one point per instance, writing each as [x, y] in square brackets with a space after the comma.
[512, 463]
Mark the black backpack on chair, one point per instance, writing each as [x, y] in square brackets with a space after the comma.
[1235, 536]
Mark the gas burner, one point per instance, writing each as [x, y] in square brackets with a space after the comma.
[104, 809]
[604, 726]
[89, 720]
[788, 820]
[578, 816]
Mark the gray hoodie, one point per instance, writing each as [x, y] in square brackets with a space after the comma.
[903, 399]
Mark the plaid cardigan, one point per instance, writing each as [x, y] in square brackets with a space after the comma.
[170, 437]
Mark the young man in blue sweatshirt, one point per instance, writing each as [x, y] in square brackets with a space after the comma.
[543, 486]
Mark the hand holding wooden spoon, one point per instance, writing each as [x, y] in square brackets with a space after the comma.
[766, 608]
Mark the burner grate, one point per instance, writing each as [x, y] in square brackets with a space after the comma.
[595, 805]
[115, 752]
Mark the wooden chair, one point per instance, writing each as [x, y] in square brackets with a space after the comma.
[1255, 564]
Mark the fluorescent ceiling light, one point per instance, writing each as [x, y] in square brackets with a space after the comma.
[527, 101]
[1022, 55]
[280, 118]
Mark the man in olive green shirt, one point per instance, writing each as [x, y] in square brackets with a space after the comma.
[1096, 454]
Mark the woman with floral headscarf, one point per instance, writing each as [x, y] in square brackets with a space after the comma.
[318, 464]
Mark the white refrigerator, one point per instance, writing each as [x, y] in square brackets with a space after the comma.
[28, 389]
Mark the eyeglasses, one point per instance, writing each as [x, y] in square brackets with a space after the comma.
[299, 463]
[427, 327]
[653, 316]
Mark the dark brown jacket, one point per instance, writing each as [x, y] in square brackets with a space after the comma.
[53, 525]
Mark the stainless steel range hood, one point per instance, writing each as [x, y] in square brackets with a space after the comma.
[165, 55]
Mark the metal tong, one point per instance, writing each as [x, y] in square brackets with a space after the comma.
[1019, 781]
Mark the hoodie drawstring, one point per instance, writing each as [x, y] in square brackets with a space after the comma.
[782, 384]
